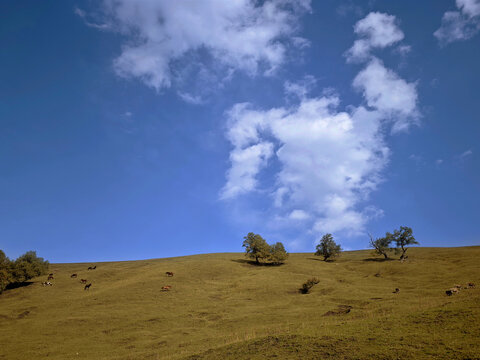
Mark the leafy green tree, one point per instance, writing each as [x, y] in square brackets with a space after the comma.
[278, 254]
[256, 247]
[381, 246]
[328, 248]
[403, 238]
[27, 266]
[5, 271]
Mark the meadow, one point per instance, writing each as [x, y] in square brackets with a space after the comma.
[223, 307]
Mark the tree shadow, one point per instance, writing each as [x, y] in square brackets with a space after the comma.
[17, 285]
[379, 259]
[254, 263]
[320, 259]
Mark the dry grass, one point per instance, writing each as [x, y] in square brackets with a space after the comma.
[220, 306]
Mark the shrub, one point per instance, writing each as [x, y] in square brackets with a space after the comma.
[306, 286]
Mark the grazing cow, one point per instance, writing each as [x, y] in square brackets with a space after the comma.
[454, 290]
[169, 273]
[83, 281]
[87, 287]
[471, 285]
[47, 283]
[397, 290]
[457, 286]
[166, 288]
[50, 277]
[92, 267]
[449, 292]
[73, 276]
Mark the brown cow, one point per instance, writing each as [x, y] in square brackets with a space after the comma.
[87, 287]
[50, 277]
[83, 281]
[169, 273]
[166, 288]
[73, 276]
[471, 285]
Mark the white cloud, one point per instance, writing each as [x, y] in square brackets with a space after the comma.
[298, 214]
[460, 25]
[246, 163]
[243, 35]
[330, 160]
[90, 23]
[301, 88]
[385, 91]
[191, 99]
[376, 30]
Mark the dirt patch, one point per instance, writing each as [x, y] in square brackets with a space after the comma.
[23, 314]
[342, 309]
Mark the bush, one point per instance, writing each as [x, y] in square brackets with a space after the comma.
[24, 268]
[306, 286]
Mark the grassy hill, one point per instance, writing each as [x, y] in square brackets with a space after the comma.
[221, 307]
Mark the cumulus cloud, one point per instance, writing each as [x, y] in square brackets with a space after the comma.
[376, 30]
[330, 160]
[384, 90]
[244, 35]
[460, 25]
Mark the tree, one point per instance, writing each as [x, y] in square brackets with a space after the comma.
[403, 238]
[256, 247]
[5, 271]
[24, 268]
[328, 248]
[29, 266]
[278, 254]
[381, 245]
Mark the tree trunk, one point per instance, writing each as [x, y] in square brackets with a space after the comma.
[385, 254]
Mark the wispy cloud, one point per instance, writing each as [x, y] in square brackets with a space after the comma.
[90, 23]
[465, 154]
[246, 35]
[460, 25]
[191, 99]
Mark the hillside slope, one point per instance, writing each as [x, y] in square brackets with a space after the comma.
[220, 306]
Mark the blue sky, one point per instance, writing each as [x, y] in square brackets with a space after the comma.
[144, 129]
